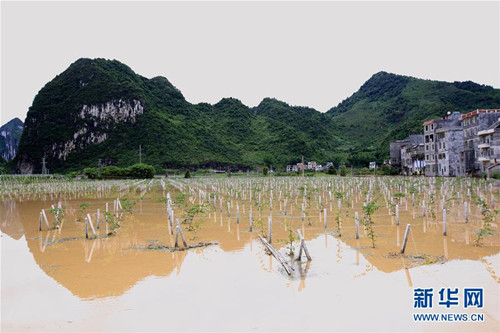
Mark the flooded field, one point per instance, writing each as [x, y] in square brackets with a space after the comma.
[130, 276]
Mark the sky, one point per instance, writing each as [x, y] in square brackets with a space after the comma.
[309, 54]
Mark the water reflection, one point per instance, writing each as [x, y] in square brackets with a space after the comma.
[109, 266]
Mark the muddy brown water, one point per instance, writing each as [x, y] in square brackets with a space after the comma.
[57, 280]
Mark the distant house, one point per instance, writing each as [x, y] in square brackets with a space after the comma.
[311, 165]
[412, 159]
[300, 166]
[319, 168]
[489, 149]
[328, 164]
[396, 146]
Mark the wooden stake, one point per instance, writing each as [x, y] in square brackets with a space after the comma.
[444, 222]
[269, 231]
[466, 212]
[303, 247]
[40, 222]
[237, 213]
[356, 224]
[405, 238]
[178, 230]
[277, 255]
[45, 219]
[324, 215]
[251, 222]
[91, 225]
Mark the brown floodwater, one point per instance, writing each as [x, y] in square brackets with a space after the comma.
[58, 280]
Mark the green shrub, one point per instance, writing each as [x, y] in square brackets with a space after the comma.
[72, 174]
[495, 175]
[343, 171]
[332, 170]
[265, 171]
[141, 171]
[388, 170]
[92, 173]
[187, 174]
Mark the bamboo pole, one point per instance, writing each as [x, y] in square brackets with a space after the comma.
[303, 247]
[405, 238]
[277, 255]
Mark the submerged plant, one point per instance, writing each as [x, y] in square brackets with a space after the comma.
[488, 215]
[367, 221]
[127, 205]
[83, 208]
[112, 221]
[431, 206]
[58, 216]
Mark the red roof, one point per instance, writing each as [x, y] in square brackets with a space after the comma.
[473, 113]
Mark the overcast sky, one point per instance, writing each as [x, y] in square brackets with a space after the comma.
[312, 54]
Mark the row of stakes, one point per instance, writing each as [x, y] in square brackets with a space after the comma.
[303, 248]
[87, 221]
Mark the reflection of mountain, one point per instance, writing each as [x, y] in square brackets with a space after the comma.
[110, 266]
[424, 247]
[10, 221]
[101, 267]
[92, 268]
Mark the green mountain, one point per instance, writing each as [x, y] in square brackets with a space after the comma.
[389, 107]
[10, 134]
[101, 110]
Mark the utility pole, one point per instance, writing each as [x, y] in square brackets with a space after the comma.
[45, 171]
[303, 166]
[140, 154]
[99, 165]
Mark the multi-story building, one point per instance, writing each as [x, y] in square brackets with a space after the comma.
[440, 149]
[473, 123]
[449, 151]
[412, 159]
[489, 149]
[396, 147]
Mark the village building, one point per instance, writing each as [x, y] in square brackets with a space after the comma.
[311, 165]
[489, 149]
[412, 159]
[449, 151]
[439, 136]
[473, 123]
[396, 147]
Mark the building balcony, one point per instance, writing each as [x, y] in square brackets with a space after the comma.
[483, 145]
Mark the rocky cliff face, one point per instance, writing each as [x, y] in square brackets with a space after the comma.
[96, 122]
[10, 134]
